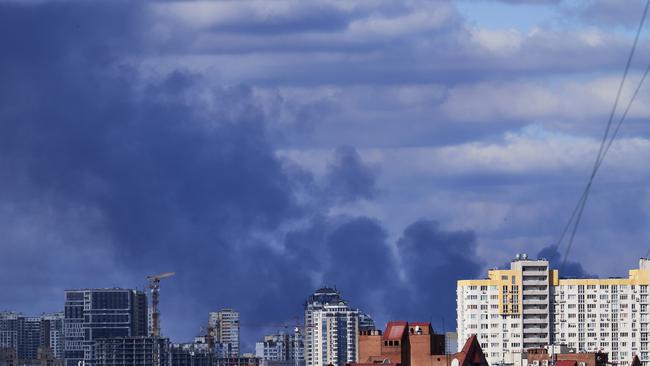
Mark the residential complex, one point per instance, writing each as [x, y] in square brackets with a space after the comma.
[529, 306]
[26, 334]
[331, 329]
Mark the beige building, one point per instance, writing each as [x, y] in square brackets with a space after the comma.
[529, 306]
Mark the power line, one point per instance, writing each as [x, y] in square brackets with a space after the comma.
[605, 143]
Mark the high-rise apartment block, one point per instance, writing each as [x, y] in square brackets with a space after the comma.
[225, 325]
[52, 333]
[331, 329]
[529, 306]
[93, 314]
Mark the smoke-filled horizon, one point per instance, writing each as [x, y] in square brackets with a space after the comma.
[262, 150]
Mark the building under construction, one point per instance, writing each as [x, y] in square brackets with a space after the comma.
[131, 351]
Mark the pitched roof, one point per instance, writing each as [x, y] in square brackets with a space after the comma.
[395, 330]
[472, 354]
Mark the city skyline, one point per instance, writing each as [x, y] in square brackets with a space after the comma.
[269, 326]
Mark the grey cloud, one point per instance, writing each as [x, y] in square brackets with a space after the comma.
[433, 258]
[347, 178]
[568, 269]
[130, 175]
[608, 13]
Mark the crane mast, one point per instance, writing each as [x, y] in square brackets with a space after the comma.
[154, 286]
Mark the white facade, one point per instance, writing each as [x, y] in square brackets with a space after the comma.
[331, 329]
[528, 306]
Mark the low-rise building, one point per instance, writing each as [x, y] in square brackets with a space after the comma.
[414, 344]
[562, 356]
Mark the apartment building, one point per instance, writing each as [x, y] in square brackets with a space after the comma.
[26, 334]
[331, 329]
[225, 323]
[529, 306]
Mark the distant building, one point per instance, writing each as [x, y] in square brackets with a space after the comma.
[198, 354]
[191, 354]
[52, 333]
[331, 329]
[93, 314]
[451, 342]
[21, 333]
[274, 348]
[26, 334]
[226, 330]
[131, 351]
[297, 350]
[44, 357]
[281, 349]
[529, 306]
[366, 322]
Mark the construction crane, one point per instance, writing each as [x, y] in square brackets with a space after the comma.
[210, 335]
[154, 285]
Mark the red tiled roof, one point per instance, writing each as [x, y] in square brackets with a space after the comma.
[394, 330]
[468, 343]
[471, 353]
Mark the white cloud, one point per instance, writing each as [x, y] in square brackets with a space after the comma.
[540, 100]
[498, 41]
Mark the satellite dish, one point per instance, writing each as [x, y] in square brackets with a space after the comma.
[454, 362]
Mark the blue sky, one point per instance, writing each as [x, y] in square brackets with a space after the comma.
[261, 149]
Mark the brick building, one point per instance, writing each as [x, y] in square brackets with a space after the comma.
[541, 357]
[414, 344]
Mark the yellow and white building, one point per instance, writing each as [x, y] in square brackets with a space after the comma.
[529, 306]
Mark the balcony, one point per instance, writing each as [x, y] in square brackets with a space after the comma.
[535, 301]
[534, 272]
[535, 342]
[535, 320]
[535, 281]
[535, 291]
[536, 310]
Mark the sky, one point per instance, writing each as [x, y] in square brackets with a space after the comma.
[263, 149]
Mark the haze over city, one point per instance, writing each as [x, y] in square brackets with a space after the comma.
[264, 149]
